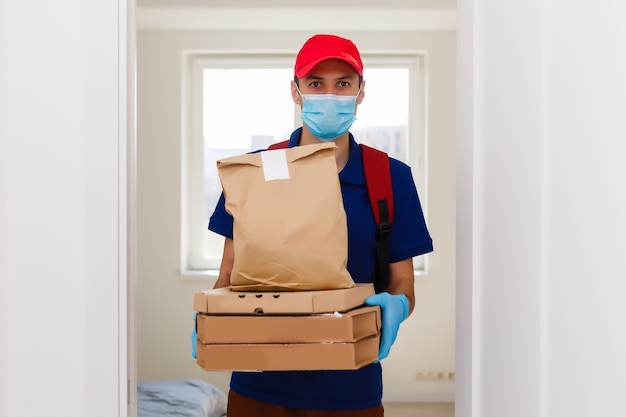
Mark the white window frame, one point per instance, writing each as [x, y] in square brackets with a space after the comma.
[193, 263]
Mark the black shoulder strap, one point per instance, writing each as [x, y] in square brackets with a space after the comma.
[378, 180]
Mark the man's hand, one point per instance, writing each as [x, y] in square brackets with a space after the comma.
[394, 309]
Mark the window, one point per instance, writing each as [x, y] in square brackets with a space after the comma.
[239, 104]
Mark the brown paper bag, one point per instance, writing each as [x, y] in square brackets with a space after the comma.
[290, 230]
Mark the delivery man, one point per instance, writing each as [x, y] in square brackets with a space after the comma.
[328, 85]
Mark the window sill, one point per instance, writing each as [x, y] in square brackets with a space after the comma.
[199, 274]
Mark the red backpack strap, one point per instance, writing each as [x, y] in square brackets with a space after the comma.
[378, 180]
[278, 145]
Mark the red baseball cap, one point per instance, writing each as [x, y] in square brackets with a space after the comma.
[322, 47]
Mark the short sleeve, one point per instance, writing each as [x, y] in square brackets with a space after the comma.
[409, 235]
[220, 221]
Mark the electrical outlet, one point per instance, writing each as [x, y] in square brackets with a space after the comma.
[434, 375]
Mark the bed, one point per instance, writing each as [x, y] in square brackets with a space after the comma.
[180, 398]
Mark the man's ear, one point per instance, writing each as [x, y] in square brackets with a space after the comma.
[295, 94]
[361, 96]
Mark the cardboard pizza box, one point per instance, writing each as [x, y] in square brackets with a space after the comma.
[288, 356]
[225, 301]
[350, 326]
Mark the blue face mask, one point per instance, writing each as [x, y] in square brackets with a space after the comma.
[328, 116]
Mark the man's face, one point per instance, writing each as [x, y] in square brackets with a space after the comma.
[332, 76]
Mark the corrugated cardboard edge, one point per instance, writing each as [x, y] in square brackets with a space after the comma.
[225, 301]
[351, 326]
[288, 357]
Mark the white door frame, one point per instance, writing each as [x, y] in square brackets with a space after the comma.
[467, 124]
[127, 208]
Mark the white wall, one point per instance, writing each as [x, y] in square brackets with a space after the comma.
[3, 225]
[426, 341]
[61, 208]
[541, 203]
[3, 217]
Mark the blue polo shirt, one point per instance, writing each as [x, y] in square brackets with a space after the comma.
[409, 237]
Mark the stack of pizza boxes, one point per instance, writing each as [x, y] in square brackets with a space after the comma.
[298, 330]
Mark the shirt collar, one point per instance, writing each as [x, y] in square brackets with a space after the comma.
[353, 171]
[294, 140]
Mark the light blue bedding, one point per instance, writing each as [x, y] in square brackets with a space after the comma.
[180, 398]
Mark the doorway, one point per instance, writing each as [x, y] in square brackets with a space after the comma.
[158, 265]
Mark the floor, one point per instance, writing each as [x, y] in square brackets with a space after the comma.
[419, 409]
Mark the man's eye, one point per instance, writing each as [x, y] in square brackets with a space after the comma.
[344, 84]
[315, 84]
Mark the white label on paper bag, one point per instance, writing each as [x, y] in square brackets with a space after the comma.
[275, 165]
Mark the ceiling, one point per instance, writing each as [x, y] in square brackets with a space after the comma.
[336, 4]
[321, 15]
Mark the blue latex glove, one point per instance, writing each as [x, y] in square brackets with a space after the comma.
[394, 309]
[194, 336]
